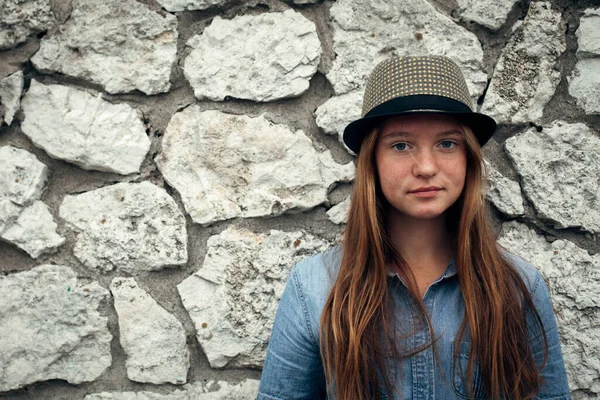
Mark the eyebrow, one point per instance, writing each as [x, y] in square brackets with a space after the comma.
[409, 134]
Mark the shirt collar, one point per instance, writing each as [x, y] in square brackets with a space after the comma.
[450, 271]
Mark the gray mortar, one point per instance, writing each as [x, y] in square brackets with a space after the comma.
[65, 178]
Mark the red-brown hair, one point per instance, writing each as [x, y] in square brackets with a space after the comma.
[357, 336]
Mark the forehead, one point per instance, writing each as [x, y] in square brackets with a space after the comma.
[420, 123]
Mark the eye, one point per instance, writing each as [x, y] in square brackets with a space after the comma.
[447, 144]
[400, 146]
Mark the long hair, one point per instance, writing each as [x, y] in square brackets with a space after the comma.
[358, 335]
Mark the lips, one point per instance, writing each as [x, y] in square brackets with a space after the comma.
[426, 189]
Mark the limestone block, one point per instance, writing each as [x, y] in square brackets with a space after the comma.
[128, 226]
[22, 18]
[11, 88]
[34, 231]
[183, 5]
[573, 277]
[338, 214]
[245, 390]
[153, 339]
[584, 83]
[120, 44]
[233, 297]
[588, 34]
[227, 166]
[22, 179]
[336, 113]
[367, 31]
[262, 57]
[559, 169]
[74, 126]
[490, 13]
[504, 193]
[50, 328]
[526, 75]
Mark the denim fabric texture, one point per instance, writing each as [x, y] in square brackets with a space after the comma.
[293, 367]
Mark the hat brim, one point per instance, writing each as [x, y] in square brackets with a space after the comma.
[482, 125]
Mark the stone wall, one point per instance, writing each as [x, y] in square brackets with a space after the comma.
[164, 163]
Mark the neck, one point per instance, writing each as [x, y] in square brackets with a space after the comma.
[420, 241]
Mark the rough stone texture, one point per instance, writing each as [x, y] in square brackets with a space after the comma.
[338, 214]
[34, 231]
[182, 5]
[22, 179]
[73, 125]
[227, 166]
[245, 390]
[263, 58]
[153, 339]
[233, 297]
[21, 18]
[11, 88]
[560, 172]
[588, 34]
[129, 226]
[50, 328]
[504, 193]
[526, 76]
[573, 277]
[584, 83]
[367, 31]
[491, 14]
[119, 44]
[336, 113]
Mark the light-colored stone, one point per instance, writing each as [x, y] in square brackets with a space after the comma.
[526, 75]
[22, 179]
[128, 226]
[491, 13]
[50, 328]
[336, 113]
[245, 390]
[368, 31]
[338, 214]
[74, 126]
[34, 231]
[233, 297]
[573, 277]
[588, 34]
[21, 18]
[262, 57]
[120, 44]
[559, 169]
[183, 5]
[11, 88]
[584, 85]
[504, 193]
[227, 166]
[153, 339]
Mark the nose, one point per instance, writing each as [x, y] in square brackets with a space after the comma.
[425, 164]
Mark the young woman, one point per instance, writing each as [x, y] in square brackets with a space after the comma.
[419, 302]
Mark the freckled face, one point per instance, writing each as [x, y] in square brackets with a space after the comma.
[421, 162]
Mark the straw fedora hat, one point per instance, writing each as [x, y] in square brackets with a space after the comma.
[416, 84]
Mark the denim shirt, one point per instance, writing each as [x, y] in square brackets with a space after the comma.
[293, 367]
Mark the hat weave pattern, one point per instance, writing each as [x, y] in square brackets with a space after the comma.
[406, 76]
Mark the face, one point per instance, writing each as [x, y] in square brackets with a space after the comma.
[422, 162]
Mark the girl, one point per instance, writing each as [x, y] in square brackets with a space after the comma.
[419, 302]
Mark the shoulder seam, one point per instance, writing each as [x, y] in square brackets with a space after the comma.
[302, 299]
